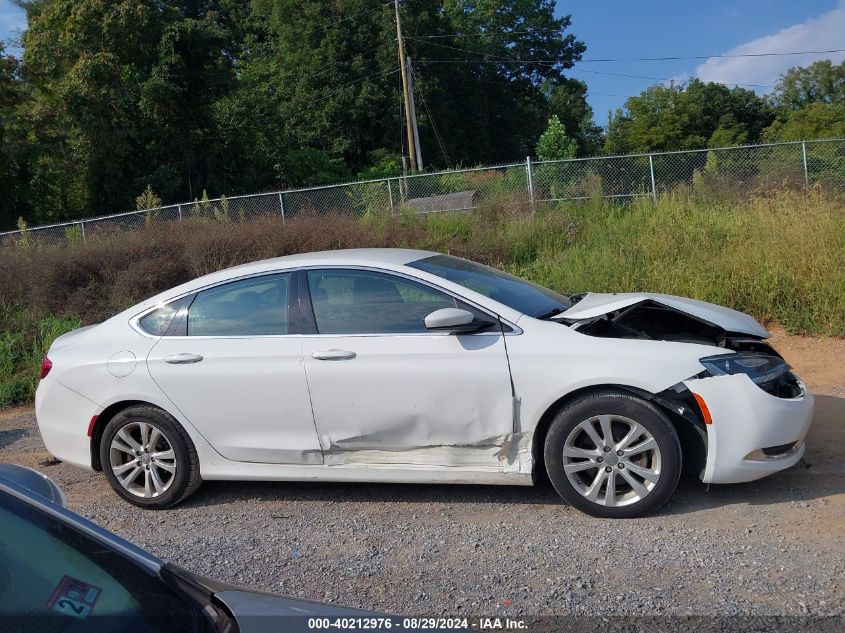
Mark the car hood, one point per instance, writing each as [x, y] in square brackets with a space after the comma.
[259, 611]
[256, 611]
[595, 304]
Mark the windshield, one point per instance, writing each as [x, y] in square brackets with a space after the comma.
[55, 578]
[514, 292]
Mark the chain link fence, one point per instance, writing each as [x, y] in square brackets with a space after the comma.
[734, 170]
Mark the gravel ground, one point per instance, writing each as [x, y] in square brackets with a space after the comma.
[772, 547]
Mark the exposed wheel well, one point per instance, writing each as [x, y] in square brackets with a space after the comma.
[102, 420]
[691, 429]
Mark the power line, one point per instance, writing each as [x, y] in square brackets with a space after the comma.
[325, 96]
[346, 61]
[681, 57]
[599, 72]
[457, 48]
[490, 57]
[489, 33]
[623, 59]
[576, 70]
[609, 94]
[351, 17]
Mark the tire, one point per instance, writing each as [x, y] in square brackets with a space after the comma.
[581, 469]
[160, 475]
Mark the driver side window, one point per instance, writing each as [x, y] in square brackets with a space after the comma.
[365, 302]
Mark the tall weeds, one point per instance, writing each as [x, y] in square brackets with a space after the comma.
[779, 256]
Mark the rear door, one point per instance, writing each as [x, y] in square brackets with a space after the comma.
[382, 383]
[231, 362]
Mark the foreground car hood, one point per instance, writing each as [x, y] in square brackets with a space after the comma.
[258, 611]
[595, 304]
[253, 609]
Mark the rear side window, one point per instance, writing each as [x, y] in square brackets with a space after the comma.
[257, 306]
[364, 302]
[157, 321]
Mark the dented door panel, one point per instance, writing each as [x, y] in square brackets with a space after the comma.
[422, 399]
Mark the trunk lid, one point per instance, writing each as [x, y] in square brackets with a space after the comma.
[74, 336]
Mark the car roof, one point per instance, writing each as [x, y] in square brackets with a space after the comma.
[347, 256]
[389, 258]
[385, 258]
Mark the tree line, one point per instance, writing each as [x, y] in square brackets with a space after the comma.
[208, 97]
[806, 103]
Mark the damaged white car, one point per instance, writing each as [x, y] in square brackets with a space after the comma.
[396, 365]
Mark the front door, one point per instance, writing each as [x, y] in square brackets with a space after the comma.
[383, 384]
[235, 372]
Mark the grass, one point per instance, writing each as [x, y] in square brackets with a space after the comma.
[23, 343]
[779, 255]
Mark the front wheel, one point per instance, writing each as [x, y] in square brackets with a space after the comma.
[148, 458]
[613, 455]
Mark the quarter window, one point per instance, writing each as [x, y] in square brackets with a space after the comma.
[157, 321]
[250, 307]
[363, 302]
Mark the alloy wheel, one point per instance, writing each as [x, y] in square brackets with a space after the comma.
[612, 460]
[142, 459]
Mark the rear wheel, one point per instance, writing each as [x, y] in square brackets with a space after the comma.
[148, 458]
[613, 455]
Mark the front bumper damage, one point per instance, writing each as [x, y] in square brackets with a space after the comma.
[753, 433]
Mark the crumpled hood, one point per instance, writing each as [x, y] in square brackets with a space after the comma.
[595, 304]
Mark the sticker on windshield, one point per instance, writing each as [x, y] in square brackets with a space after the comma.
[74, 597]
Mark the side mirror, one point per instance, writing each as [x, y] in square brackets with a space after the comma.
[454, 320]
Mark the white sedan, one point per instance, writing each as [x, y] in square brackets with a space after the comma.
[396, 365]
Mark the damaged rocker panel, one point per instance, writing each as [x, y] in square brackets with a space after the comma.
[506, 453]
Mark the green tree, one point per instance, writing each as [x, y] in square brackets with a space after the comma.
[820, 82]
[816, 120]
[223, 95]
[810, 103]
[13, 158]
[121, 95]
[338, 90]
[678, 117]
[554, 144]
[568, 101]
[147, 200]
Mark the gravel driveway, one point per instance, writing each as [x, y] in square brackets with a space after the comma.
[772, 547]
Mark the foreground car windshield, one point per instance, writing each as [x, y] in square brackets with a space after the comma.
[55, 578]
[514, 292]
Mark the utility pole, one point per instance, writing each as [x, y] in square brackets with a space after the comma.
[414, 115]
[403, 67]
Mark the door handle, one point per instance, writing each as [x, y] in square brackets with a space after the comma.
[334, 354]
[182, 359]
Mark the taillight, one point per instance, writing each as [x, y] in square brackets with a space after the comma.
[46, 366]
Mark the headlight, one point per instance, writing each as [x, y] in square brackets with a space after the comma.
[761, 368]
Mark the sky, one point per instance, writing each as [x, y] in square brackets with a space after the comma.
[685, 28]
[622, 29]
[12, 21]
